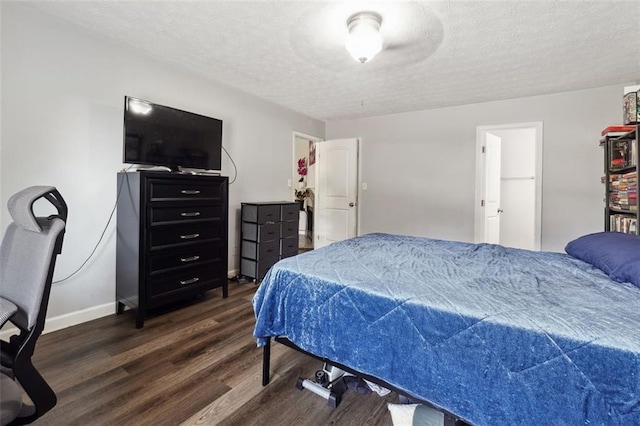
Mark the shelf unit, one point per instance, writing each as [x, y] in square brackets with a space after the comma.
[621, 182]
[269, 232]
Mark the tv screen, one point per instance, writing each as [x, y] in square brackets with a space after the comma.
[162, 136]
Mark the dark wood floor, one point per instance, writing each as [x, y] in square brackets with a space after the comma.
[193, 365]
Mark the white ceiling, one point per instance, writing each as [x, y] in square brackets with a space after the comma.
[437, 54]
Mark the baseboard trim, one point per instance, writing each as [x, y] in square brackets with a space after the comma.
[70, 319]
[79, 317]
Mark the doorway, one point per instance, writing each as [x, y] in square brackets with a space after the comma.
[329, 186]
[509, 185]
[303, 185]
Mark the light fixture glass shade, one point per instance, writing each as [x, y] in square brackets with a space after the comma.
[364, 40]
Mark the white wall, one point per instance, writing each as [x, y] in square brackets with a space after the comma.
[62, 112]
[420, 166]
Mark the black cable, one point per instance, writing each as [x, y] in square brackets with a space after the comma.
[234, 166]
[101, 236]
[113, 211]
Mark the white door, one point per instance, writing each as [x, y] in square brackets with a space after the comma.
[336, 209]
[492, 189]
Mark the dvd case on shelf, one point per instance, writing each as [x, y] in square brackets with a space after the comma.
[631, 108]
[621, 153]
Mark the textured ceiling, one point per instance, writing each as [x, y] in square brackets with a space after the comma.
[437, 53]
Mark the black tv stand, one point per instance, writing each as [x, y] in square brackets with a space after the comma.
[143, 168]
[199, 172]
[176, 170]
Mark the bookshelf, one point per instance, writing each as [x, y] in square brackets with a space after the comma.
[621, 159]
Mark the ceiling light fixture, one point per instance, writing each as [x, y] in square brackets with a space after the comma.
[364, 40]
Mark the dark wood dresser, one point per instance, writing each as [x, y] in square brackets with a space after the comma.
[171, 238]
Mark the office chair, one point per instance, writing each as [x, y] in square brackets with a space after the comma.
[27, 259]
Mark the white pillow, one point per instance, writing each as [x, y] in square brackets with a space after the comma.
[414, 415]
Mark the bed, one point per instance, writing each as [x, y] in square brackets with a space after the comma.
[497, 336]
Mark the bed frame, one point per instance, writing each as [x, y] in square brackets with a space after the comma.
[410, 306]
[449, 418]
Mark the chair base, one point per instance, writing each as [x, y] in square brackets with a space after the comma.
[10, 399]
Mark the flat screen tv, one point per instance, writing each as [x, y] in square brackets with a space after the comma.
[158, 135]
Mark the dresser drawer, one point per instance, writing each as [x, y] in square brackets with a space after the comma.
[187, 212]
[201, 276]
[288, 229]
[288, 247]
[290, 212]
[175, 189]
[256, 269]
[257, 213]
[260, 233]
[195, 254]
[259, 251]
[165, 235]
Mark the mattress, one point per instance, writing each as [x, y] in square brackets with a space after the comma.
[492, 334]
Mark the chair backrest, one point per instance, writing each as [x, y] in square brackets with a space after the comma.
[28, 249]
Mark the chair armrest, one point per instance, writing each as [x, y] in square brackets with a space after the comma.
[7, 309]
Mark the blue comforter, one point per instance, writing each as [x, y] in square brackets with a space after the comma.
[497, 336]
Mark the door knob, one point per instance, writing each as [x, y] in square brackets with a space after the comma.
[500, 211]
[351, 204]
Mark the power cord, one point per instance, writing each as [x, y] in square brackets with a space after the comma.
[234, 165]
[103, 231]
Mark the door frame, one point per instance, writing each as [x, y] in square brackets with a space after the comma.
[481, 131]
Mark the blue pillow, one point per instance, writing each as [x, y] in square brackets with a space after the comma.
[615, 253]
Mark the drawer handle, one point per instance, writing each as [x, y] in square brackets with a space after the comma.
[190, 192]
[269, 251]
[191, 281]
[189, 236]
[189, 259]
[189, 214]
